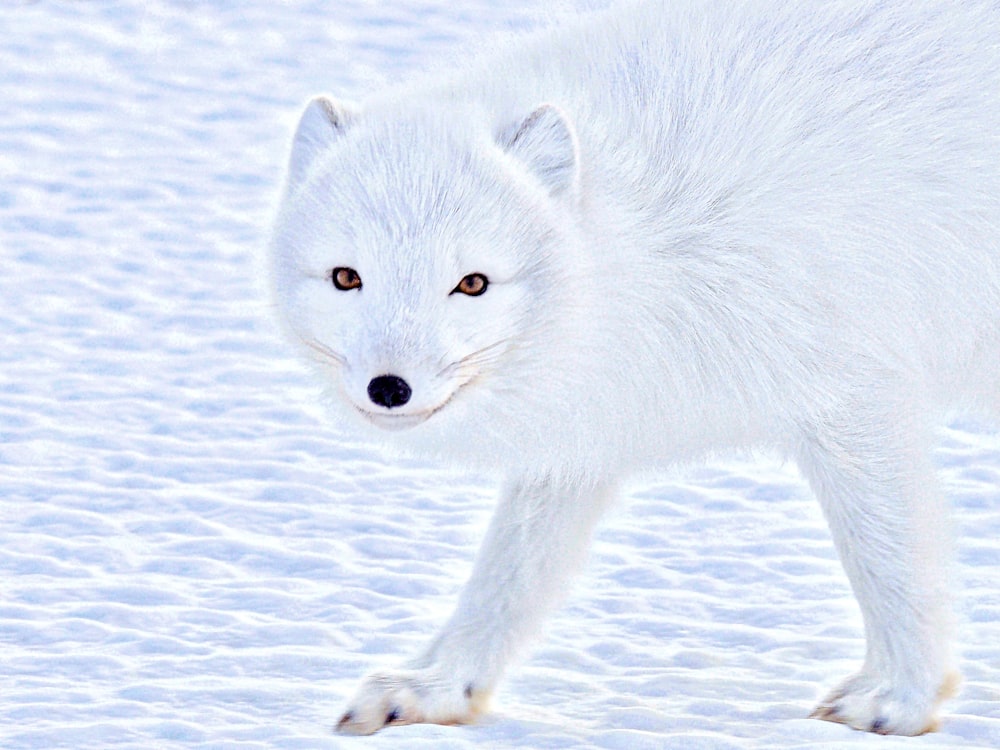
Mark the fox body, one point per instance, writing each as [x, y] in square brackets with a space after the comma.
[648, 235]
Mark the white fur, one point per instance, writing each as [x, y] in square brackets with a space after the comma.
[706, 226]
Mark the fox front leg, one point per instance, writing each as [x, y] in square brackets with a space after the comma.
[537, 539]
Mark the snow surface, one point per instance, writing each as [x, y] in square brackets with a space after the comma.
[191, 558]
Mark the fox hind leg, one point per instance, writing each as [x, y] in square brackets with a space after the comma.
[873, 476]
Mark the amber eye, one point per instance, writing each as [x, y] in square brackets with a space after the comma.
[345, 279]
[473, 285]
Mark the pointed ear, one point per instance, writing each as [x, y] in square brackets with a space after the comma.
[322, 122]
[546, 143]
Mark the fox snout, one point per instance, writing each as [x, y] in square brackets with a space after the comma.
[389, 391]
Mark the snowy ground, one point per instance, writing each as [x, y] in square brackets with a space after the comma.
[191, 558]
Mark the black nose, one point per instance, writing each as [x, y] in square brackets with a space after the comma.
[389, 391]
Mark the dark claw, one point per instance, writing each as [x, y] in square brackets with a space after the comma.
[468, 691]
[345, 719]
[827, 712]
[878, 726]
[392, 716]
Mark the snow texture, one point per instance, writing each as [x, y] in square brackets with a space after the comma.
[190, 557]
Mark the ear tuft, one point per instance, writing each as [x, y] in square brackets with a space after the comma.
[322, 122]
[546, 143]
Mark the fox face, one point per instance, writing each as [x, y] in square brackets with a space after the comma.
[411, 264]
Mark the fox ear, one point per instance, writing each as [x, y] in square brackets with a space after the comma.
[322, 122]
[546, 142]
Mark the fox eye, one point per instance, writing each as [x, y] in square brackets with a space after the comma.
[345, 279]
[473, 285]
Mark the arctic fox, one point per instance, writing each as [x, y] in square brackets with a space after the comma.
[651, 234]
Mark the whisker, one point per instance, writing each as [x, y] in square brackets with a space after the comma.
[478, 357]
[323, 349]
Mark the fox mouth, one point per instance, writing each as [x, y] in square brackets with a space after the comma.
[388, 421]
[400, 421]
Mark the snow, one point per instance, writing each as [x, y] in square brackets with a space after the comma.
[190, 557]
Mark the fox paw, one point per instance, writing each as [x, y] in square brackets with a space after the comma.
[411, 697]
[875, 705]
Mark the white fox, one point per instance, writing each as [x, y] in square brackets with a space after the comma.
[651, 234]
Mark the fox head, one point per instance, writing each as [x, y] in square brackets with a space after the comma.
[419, 259]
